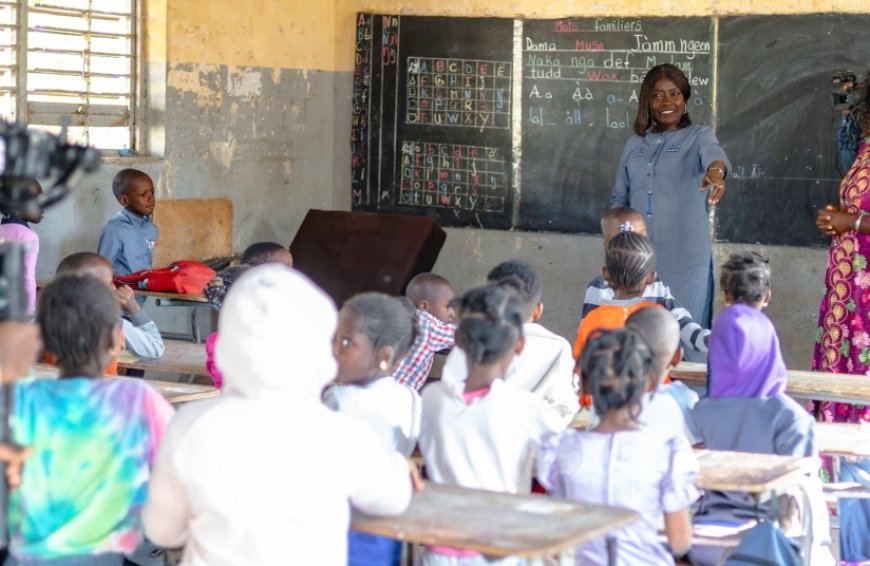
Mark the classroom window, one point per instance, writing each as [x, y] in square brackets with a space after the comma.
[72, 60]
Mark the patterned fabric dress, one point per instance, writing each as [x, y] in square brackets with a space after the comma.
[843, 336]
[843, 346]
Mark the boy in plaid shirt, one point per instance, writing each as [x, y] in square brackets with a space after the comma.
[431, 295]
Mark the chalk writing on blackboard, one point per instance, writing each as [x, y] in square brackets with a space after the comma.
[587, 73]
[447, 175]
[469, 93]
[359, 143]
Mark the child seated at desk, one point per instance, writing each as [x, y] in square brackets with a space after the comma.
[374, 332]
[667, 404]
[266, 252]
[629, 268]
[544, 366]
[94, 439]
[141, 336]
[128, 239]
[432, 297]
[480, 432]
[692, 335]
[621, 463]
[215, 292]
[746, 408]
[279, 489]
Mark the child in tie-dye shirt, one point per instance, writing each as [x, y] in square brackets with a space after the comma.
[94, 438]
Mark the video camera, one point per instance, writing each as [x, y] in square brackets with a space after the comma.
[846, 90]
[25, 156]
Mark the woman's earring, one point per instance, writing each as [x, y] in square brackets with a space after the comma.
[383, 365]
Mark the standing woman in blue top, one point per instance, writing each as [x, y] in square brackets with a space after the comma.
[666, 171]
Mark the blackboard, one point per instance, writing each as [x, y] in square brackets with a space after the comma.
[776, 121]
[436, 94]
[581, 80]
[522, 122]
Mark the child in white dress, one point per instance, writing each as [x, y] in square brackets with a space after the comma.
[481, 432]
[621, 463]
[374, 333]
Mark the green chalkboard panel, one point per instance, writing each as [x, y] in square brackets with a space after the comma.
[777, 123]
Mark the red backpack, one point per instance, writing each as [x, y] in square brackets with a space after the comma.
[185, 277]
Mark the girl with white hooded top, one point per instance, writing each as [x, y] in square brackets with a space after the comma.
[265, 474]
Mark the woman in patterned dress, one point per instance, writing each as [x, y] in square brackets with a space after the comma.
[843, 339]
[843, 336]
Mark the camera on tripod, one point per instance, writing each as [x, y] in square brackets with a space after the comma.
[846, 90]
[25, 156]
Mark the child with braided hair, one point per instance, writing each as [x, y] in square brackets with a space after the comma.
[629, 267]
[746, 408]
[621, 463]
[481, 432]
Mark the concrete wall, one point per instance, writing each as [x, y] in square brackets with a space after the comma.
[250, 99]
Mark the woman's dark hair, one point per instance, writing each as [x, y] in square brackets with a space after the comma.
[745, 278]
[490, 322]
[386, 321]
[643, 122]
[629, 258]
[615, 369]
[217, 288]
[77, 315]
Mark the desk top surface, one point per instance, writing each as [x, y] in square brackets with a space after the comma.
[750, 473]
[173, 392]
[760, 473]
[496, 524]
[839, 387]
[185, 358]
[843, 439]
[173, 296]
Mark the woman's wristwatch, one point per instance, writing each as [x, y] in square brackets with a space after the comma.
[858, 220]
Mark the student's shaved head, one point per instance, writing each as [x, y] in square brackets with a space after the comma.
[426, 287]
[620, 219]
[660, 330]
[86, 262]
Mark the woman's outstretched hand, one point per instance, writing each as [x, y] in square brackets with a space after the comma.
[713, 178]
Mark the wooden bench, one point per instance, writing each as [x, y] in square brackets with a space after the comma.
[183, 358]
[496, 524]
[820, 386]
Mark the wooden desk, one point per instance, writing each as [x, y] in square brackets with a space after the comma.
[195, 300]
[495, 524]
[755, 474]
[820, 386]
[184, 358]
[843, 439]
[175, 393]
